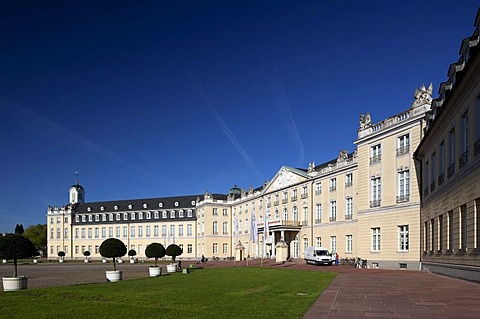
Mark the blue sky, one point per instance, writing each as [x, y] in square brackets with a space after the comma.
[181, 97]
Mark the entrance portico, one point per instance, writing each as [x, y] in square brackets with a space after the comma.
[277, 230]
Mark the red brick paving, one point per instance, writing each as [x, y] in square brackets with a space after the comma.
[355, 293]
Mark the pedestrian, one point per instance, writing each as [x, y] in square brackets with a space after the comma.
[336, 259]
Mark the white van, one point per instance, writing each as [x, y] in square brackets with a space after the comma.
[318, 256]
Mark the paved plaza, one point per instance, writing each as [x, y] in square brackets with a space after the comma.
[355, 293]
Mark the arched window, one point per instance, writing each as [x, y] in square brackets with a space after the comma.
[66, 233]
[295, 213]
[58, 233]
[51, 233]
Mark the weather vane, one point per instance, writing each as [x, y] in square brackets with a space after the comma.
[76, 175]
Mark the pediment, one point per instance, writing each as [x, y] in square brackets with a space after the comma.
[285, 177]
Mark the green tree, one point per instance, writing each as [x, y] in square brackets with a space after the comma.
[113, 248]
[155, 250]
[15, 246]
[174, 250]
[38, 236]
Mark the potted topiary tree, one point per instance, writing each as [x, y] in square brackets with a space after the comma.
[132, 253]
[86, 253]
[113, 248]
[173, 251]
[15, 246]
[61, 254]
[155, 250]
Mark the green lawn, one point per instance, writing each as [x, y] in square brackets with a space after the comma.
[204, 293]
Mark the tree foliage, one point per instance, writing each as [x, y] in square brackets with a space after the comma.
[113, 248]
[155, 250]
[132, 253]
[19, 229]
[173, 250]
[38, 236]
[15, 246]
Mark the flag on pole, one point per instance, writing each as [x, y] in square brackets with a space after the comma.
[254, 228]
[235, 228]
[267, 231]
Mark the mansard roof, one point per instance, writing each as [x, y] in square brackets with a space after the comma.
[160, 203]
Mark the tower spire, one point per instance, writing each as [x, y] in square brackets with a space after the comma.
[76, 178]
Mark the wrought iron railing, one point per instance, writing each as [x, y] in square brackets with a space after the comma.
[403, 150]
[451, 170]
[403, 198]
[375, 159]
[463, 159]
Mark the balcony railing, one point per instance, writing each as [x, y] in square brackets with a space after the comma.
[294, 198]
[318, 192]
[441, 179]
[305, 223]
[275, 203]
[285, 200]
[333, 218]
[432, 186]
[403, 150]
[318, 221]
[451, 170]
[348, 183]
[463, 159]
[303, 196]
[375, 203]
[348, 216]
[333, 188]
[425, 191]
[403, 198]
[476, 148]
[375, 159]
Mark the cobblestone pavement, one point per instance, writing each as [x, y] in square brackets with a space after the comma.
[355, 293]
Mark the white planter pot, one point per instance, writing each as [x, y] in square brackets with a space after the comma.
[15, 283]
[172, 268]
[104, 261]
[86, 261]
[113, 275]
[120, 261]
[4, 261]
[154, 271]
[35, 261]
[132, 261]
[60, 260]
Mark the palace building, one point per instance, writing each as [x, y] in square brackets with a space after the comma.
[449, 161]
[366, 203]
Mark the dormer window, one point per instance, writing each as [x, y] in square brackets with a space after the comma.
[172, 214]
[97, 218]
[180, 213]
[160, 205]
[140, 215]
[132, 216]
[77, 218]
[89, 209]
[193, 203]
[125, 216]
[110, 217]
[102, 208]
[84, 218]
[176, 204]
[90, 218]
[130, 206]
[189, 213]
[115, 207]
[145, 205]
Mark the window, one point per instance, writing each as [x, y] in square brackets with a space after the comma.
[224, 212]
[148, 231]
[333, 184]
[76, 233]
[294, 194]
[463, 226]
[172, 214]
[464, 155]
[164, 230]
[215, 228]
[450, 231]
[215, 248]
[189, 248]
[441, 163]
[90, 218]
[349, 243]
[333, 244]
[304, 191]
[52, 232]
[318, 213]
[403, 238]
[84, 218]
[333, 211]
[89, 233]
[376, 192]
[403, 186]
[132, 231]
[285, 213]
[285, 197]
[83, 232]
[140, 215]
[156, 215]
[318, 188]
[132, 216]
[440, 233]
[433, 172]
[125, 231]
[215, 212]
[59, 233]
[348, 180]
[305, 216]
[295, 213]
[110, 231]
[66, 233]
[225, 228]
[225, 248]
[318, 241]
[110, 217]
[172, 230]
[349, 208]
[375, 154]
[189, 230]
[164, 214]
[180, 230]
[140, 231]
[189, 213]
[155, 231]
[276, 200]
[376, 239]
[125, 216]
[451, 152]
[305, 243]
[403, 145]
